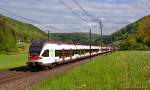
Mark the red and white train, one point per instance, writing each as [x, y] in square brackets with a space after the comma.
[50, 54]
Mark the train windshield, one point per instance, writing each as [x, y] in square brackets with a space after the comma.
[35, 48]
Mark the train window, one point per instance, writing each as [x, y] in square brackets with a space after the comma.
[82, 51]
[87, 51]
[58, 53]
[73, 52]
[35, 48]
[67, 53]
[46, 53]
[97, 50]
[77, 51]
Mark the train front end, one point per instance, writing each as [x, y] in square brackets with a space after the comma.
[34, 54]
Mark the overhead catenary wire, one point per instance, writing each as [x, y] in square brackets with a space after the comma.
[89, 15]
[93, 19]
[29, 20]
[21, 17]
[75, 13]
[39, 23]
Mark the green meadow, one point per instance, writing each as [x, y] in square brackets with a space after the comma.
[121, 70]
[11, 61]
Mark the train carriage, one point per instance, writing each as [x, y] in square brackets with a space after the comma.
[48, 53]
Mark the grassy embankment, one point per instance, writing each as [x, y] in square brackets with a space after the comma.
[128, 69]
[11, 61]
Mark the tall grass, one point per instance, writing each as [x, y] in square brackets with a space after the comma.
[119, 70]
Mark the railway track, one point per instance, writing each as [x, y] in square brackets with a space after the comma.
[13, 77]
[16, 74]
[7, 76]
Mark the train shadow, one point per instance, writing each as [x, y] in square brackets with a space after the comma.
[26, 69]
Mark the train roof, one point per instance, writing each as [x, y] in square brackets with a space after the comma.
[56, 42]
[60, 45]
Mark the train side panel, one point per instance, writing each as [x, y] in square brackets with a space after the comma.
[50, 54]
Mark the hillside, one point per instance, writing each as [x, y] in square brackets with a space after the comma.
[79, 37]
[134, 36]
[11, 31]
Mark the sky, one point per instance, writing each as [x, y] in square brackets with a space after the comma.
[52, 15]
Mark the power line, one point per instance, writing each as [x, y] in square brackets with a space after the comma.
[97, 21]
[73, 11]
[89, 15]
[29, 20]
[21, 17]
[39, 23]
[36, 22]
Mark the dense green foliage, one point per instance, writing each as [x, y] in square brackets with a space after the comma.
[79, 38]
[134, 36]
[11, 61]
[124, 32]
[11, 31]
[117, 71]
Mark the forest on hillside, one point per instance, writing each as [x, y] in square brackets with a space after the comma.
[12, 31]
[80, 38]
[135, 36]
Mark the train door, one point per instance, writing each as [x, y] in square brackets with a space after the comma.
[51, 56]
[48, 56]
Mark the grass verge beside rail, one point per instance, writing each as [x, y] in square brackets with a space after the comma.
[11, 61]
[119, 70]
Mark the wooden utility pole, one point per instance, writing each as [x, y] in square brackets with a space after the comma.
[90, 44]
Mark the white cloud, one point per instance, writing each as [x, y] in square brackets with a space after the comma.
[114, 13]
